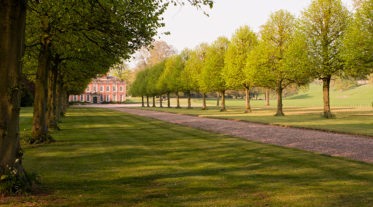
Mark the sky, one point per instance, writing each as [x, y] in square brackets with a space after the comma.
[190, 27]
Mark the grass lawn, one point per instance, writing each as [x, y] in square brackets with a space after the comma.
[106, 158]
[353, 110]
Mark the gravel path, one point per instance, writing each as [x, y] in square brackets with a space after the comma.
[341, 145]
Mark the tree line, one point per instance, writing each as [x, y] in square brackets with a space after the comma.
[326, 40]
[61, 45]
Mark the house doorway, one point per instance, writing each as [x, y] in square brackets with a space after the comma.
[95, 99]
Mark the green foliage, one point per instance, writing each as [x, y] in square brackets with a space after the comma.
[242, 42]
[357, 49]
[211, 75]
[170, 80]
[344, 83]
[324, 25]
[153, 75]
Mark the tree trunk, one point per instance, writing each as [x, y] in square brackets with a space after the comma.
[189, 100]
[147, 101]
[160, 101]
[12, 27]
[39, 124]
[59, 101]
[223, 101]
[154, 101]
[217, 99]
[52, 96]
[177, 100]
[168, 100]
[142, 101]
[267, 96]
[204, 101]
[247, 92]
[326, 87]
[279, 101]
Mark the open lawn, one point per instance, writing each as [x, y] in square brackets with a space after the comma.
[352, 109]
[107, 158]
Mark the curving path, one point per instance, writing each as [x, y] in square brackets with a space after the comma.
[335, 144]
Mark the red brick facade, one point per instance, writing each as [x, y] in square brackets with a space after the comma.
[103, 89]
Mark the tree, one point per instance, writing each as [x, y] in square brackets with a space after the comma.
[358, 42]
[235, 60]
[272, 63]
[212, 77]
[12, 35]
[171, 76]
[324, 25]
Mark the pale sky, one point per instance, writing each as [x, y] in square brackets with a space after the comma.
[189, 27]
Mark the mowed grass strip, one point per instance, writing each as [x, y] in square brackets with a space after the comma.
[107, 158]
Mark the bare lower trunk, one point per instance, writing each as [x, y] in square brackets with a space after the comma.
[168, 100]
[160, 101]
[189, 100]
[326, 87]
[279, 102]
[52, 97]
[12, 27]
[247, 93]
[177, 100]
[59, 101]
[204, 101]
[267, 96]
[222, 101]
[142, 101]
[147, 101]
[153, 101]
[217, 99]
[39, 124]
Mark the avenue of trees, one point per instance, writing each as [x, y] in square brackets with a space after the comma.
[326, 41]
[60, 45]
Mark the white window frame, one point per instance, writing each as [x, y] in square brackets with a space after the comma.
[107, 88]
[87, 99]
[89, 88]
[107, 98]
[121, 88]
[81, 98]
[94, 88]
[114, 89]
[102, 88]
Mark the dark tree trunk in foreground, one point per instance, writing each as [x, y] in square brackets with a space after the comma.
[147, 101]
[160, 101]
[267, 96]
[168, 100]
[279, 101]
[204, 101]
[12, 34]
[39, 124]
[52, 96]
[326, 98]
[177, 100]
[223, 101]
[217, 99]
[189, 100]
[248, 107]
[153, 101]
[60, 99]
[142, 101]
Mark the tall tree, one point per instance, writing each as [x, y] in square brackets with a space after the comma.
[242, 42]
[271, 63]
[212, 76]
[324, 24]
[12, 36]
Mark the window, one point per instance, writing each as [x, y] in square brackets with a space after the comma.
[87, 98]
[121, 89]
[107, 98]
[107, 88]
[89, 88]
[101, 88]
[75, 97]
[81, 98]
[94, 88]
[114, 88]
[114, 97]
[121, 98]
[102, 98]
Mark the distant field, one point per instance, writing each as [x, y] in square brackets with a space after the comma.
[357, 97]
[108, 158]
[352, 108]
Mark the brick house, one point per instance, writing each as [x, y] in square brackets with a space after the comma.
[102, 89]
